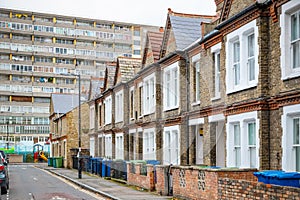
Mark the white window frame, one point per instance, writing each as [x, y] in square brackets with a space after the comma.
[119, 146]
[197, 81]
[108, 146]
[119, 108]
[237, 72]
[149, 94]
[149, 144]
[171, 145]
[92, 146]
[171, 87]
[237, 144]
[140, 98]
[287, 70]
[251, 143]
[131, 104]
[242, 120]
[288, 147]
[108, 109]
[215, 50]
[92, 117]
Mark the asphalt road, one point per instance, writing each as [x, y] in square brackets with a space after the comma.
[30, 183]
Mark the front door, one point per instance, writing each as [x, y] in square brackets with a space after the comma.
[199, 144]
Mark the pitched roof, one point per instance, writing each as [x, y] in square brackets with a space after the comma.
[185, 27]
[152, 47]
[96, 86]
[110, 74]
[155, 40]
[63, 103]
[126, 69]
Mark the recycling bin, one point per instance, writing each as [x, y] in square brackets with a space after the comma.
[50, 161]
[58, 162]
[266, 176]
[106, 168]
[291, 179]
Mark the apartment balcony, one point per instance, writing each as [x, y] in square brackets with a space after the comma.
[21, 20]
[21, 41]
[4, 30]
[120, 41]
[43, 23]
[21, 32]
[63, 36]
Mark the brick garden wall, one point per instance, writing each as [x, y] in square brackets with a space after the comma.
[191, 182]
[137, 179]
[197, 183]
[241, 189]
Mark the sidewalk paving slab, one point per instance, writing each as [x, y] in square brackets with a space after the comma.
[108, 188]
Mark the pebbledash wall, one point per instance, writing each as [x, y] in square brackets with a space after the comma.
[194, 182]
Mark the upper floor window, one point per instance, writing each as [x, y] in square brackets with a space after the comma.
[241, 62]
[131, 100]
[140, 98]
[196, 85]
[295, 39]
[119, 106]
[149, 94]
[136, 33]
[290, 39]
[171, 87]
[215, 50]
[92, 117]
[108, 110]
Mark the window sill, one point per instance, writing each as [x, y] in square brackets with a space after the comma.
[241, 88]
[171, 109]
[197, 103]
[215, 98]
[291, 76]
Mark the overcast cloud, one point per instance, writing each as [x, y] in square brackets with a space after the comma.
[152, 12]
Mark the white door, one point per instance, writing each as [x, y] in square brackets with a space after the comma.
[220, 140]
[199, 144]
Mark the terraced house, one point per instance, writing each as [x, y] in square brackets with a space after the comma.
[214, 90]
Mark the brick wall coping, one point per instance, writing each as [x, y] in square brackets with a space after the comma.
[128, 162]
[229, 169]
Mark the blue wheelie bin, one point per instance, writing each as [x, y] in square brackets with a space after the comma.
[106, 168]
[267, 176]
[291, 179]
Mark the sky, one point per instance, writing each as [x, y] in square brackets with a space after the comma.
[149, 12]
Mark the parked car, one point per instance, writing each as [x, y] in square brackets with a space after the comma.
[4, 155]
[4, 178]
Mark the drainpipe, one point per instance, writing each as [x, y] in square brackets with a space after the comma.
[169, 176]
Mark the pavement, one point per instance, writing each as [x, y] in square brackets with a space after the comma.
[110, 189]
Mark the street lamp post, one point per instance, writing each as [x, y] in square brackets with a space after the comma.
[79, 127]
